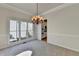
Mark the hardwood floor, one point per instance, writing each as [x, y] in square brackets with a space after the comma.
[60, 51]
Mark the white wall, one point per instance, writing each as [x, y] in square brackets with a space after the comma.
[39, 31]
[4, 15]
[63, 27]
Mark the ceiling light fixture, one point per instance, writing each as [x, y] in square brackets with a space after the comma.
[37, 19]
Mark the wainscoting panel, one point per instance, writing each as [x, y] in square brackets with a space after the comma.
[64, 40]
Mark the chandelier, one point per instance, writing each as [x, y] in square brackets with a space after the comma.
[37, 19]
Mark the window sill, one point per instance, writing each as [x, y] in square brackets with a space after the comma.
[15, 40]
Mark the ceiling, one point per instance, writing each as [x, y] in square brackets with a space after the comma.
[31, 8]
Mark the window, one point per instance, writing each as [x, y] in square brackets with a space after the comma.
[20, 30]
[23, 30]
[30, 29]
[13, 30]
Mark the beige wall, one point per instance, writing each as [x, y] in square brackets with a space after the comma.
[63, 27]
[4, 16]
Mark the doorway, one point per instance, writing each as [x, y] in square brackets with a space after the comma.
[44, 31]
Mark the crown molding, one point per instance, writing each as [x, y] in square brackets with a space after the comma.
[14, 8]
[57, 8]
[44, 13]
